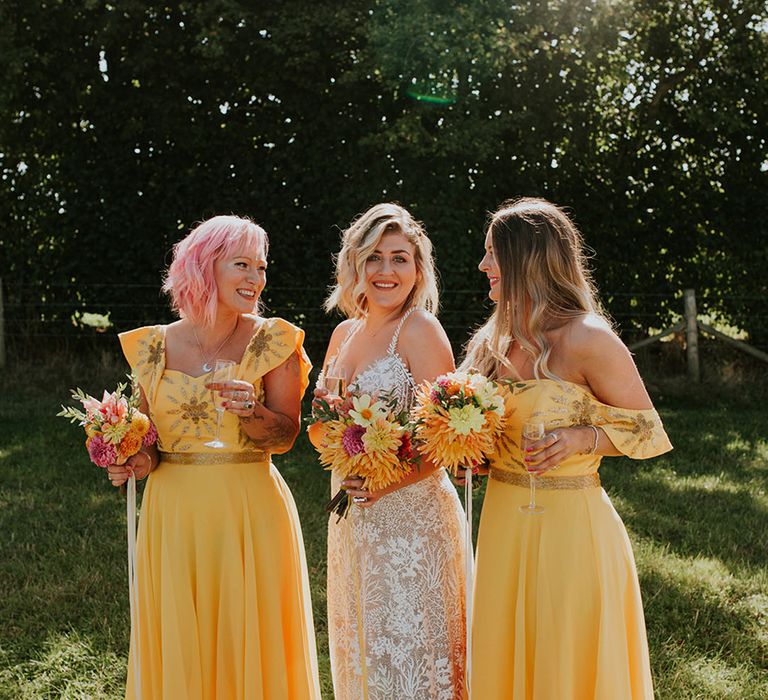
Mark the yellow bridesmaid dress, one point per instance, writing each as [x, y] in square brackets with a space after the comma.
[224, 605]
[558, 613]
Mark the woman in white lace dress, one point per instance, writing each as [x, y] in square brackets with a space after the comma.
[396, 562]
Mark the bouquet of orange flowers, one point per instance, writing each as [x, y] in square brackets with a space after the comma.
[458, 419]
[115, 427]
[364, 437]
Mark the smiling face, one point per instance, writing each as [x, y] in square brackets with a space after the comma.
[240, 279]
[390, 272]
[490, 267]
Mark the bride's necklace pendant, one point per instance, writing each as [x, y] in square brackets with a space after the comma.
[207, 367]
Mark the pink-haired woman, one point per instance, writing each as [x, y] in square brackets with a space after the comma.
[224, 605]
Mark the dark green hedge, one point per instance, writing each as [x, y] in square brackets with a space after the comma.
[124, 123]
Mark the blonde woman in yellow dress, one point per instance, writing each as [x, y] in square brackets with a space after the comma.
[396, 563]
[224, 608]
[558, 613]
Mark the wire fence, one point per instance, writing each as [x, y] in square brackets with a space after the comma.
[79, 318]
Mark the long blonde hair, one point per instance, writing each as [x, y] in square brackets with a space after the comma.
[544, 281]
[359, 241]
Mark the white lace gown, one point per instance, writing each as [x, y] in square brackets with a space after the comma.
[396, 580]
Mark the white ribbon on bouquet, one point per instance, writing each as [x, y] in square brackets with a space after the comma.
[469, 571]
[133, 585]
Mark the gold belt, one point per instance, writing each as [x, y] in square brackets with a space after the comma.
[214, 457]
[587, 481]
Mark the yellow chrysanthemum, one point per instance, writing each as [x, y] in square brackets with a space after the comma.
[381, 436]
[380, 470]
[139, 424]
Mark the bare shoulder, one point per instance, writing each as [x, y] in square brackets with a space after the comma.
[599, 359]
[174, 331]
[590, 335]
[422, 331]
[420, 327]
[337, 337]
[342, 330]
[424, 346]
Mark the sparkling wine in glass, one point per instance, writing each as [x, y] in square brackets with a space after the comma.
[335, 384]
[223, 371]
[531, 433]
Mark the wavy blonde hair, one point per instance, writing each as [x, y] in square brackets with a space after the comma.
[544, 281]
[359, 241]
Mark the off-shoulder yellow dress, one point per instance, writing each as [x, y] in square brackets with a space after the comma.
[558, 613]
[224, 605]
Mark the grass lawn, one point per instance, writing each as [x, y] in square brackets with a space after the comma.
[698, 519]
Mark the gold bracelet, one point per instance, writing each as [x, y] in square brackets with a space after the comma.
[149, 457]
[593, 449]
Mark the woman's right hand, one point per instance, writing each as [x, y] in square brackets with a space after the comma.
[322, 393]
[139, 465]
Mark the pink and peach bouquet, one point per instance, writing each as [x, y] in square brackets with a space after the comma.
[364, 436]
[458, 419]
[115, 427]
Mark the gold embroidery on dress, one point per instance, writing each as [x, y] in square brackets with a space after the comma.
[554, 483]
[195, 410]
[582, 412]
[260, 342]
[192, 411]
[638, 426]
[155, 352]
[151, 355]
[264, 345]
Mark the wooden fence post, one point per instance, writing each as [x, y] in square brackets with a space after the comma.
[691, 336]
[2, 327]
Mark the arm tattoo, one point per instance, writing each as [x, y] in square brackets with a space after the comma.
[274, 430]
[280, 432]
[292, 364]
[251, 418]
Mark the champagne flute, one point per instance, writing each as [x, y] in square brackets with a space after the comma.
[531, 433]
[335, 384]
[223, 371]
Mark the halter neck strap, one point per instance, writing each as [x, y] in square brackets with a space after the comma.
[396, 334]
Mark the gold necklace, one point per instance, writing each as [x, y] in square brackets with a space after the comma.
[207, 365]
[373, 334]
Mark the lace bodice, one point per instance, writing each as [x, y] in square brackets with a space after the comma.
[388, 375]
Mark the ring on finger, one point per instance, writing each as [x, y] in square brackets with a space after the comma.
[248, 405]
[359, 499]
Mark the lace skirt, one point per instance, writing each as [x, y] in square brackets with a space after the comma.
[398, 568]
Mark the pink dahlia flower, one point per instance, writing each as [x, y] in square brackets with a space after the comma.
[352, 440]
[151, 437]
[102, 454]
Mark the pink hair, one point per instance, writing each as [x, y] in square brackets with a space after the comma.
[190, 279]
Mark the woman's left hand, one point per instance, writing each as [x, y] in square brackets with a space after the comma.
[360, 496]
[461, 473]
[239, 396]
[556, 446]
